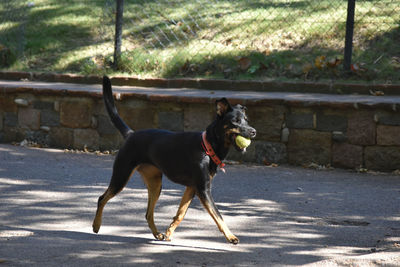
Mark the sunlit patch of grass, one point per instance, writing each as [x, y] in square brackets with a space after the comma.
[205, 38]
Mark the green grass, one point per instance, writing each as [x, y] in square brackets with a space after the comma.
[209, 38]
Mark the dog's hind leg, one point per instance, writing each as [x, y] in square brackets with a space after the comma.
[183, 206]
[122, 171]
[152, 177]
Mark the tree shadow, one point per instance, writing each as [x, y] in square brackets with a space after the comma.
[294, 60]
[282, 215]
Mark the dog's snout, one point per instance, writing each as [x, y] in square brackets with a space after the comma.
[253, 133]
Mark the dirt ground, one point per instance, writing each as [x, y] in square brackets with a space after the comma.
[284, 216]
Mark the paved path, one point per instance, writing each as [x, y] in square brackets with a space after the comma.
[283, 216]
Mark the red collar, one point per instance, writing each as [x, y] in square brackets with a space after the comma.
[210, 152]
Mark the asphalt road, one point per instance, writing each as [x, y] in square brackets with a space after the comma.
[284, 216]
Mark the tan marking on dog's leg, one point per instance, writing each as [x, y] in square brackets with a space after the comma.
[99, 212]
[180, 214]
[152, 177]
[103, 199]
[209, 205]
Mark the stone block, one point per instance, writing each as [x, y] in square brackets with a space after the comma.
[271, 152]
[76, 114]
[1, 121]
[347, 156]
[267, 121]
[382, 158]
[61, 137]
[46, 105]
[29, 118]
[330, 123]
[338, 136]
[11, 134]
[197, 117]
[248, 156]
[137, 118]
[105, 126]
[100, 109]
[261, 152]
[7, 104]
[111, 142]
[309, 146]
[10, 119]
[94, 122]
[361, 129]
[49, 118]
[88, 138]
[389, 119]
[170, 120]
[388, 135]
[300, 121]
[131, 103]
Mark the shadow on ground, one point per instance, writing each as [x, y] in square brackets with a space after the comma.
[283, 216]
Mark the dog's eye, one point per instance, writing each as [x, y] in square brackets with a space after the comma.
[236, 121]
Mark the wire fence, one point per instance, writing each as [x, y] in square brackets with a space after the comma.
[13, 15]
[237, 39]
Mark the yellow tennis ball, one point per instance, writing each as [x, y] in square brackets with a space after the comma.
[242, 142]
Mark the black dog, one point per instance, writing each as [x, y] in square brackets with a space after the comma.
[194, 164]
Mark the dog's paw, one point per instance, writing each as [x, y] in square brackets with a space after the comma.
[96, 228]
[233, 239]
[160, 236]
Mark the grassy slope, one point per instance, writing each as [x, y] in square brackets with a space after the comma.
[209, 38]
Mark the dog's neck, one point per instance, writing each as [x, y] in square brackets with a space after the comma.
[217, 142]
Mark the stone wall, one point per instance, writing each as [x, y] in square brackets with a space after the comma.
[297, 132]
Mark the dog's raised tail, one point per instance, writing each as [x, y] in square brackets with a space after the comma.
[112, 110]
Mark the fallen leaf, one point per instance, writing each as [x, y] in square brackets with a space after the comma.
[244, 63]
[377, 93]
[333, 62]
[354, 67]
[316, 166]
[320, 62]
[396, 172]
[362, 170]
[358, 68]
[307, 68]
[227, 41]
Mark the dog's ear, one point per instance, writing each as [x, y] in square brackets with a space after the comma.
[222, 106]
[243, 108]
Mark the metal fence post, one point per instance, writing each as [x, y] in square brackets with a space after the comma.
[348, 45]
[118, 32]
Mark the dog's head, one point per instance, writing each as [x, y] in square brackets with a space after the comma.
[232, 121]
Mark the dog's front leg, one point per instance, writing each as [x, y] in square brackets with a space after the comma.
[208, 202]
